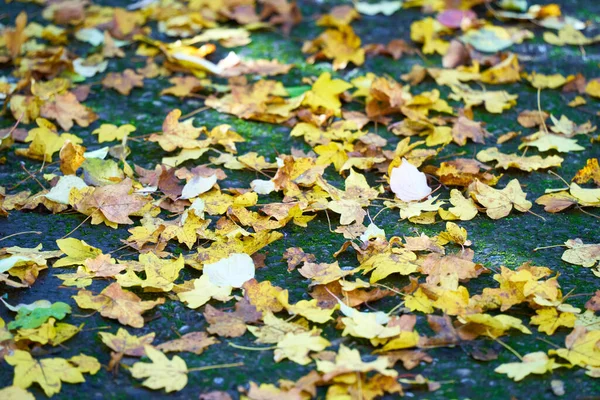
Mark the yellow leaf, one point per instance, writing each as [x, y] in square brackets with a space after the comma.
[161, 373]
[505, 72]
[15, 393]
[593, 88]
[110, 132]
[540, 81]
[325, 93]
[160, 274]
[546, 142]
[203, 291]
[506, 161]
[311, 311]
[499, 203]
[464, 209]
[549, 320]
[581, 348]
[48, 373]
[418, 301]
[296, 346]
[125, 343]
[77, 251]
[532, 363]
[349, 360]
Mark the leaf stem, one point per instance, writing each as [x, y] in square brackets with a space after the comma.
[238, 346]
[209, 367]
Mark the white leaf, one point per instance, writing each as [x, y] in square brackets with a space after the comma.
[100, 153]
[198, 185]
[60, 192]
[385, 7]
[408, 183]
[262, 186]
[233, 271]
[93, 36]
[372, 231]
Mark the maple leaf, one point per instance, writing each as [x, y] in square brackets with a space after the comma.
[582, 254]
[203, 291]
[568, 35]
[581, 347]
[49, 332]
[349, 360]
[325, 93]
[591, 171]
[549, 141]
[499, 203]
[77, 252]
[296, 346]
[466, 128]
[123, 82]
[110, 132]
[549, 320]
[341, 45]
[194, 342]
[494, 101]
[161, 373]
[506, 161]
[48, 373]
[66, 109]
[125, 343]
[160, 274]
[116, 303]
[177, 134]
[15, 393]
[34, 315]
[184, 86]
[111, 204]
[532, 363]
[463, 208]
[17, 256]
[322, 274]
[531, 118]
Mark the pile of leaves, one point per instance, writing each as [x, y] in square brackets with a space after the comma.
[360, 146]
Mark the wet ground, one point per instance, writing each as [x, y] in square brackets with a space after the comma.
[508, 241]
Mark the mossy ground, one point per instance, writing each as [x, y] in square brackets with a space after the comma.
[508, 241]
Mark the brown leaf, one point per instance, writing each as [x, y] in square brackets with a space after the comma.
[410, 358]
[593, 303]
[116, 303]
[531, 118]
[296, 256]
[66, 109]
[123, 82]
[224, 324]
[113, 202]
[193, 342]
[464, 129]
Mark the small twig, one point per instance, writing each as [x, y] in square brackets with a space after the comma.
[197, 111]
[549, 247]
[20, 233]
[507, 347]
[77, 227]
[22, 164]
[540, 110]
